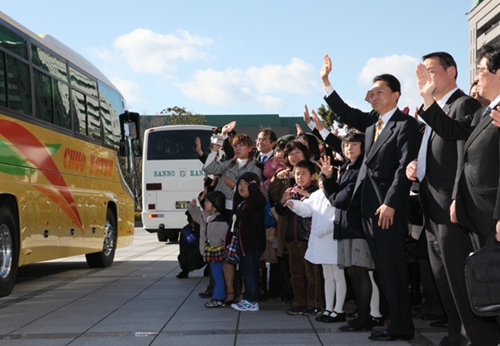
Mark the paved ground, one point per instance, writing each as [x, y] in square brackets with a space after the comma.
[139, 301]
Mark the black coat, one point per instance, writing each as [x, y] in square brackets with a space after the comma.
[347, 223]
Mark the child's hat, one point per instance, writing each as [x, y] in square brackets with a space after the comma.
[217, 199]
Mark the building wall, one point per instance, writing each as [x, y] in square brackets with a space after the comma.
[484, 28]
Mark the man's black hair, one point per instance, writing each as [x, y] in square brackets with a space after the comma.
[445, 60]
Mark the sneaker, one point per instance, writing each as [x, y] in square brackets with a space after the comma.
[296, 310]
[215, 303]
[245, 305]
[312, 311]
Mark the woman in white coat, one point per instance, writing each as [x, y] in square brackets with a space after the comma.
[322, 249]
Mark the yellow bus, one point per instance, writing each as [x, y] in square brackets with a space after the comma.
[64, 129]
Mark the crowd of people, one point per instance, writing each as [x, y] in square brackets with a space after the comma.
[330, 213]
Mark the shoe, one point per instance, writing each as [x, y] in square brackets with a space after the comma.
[312, 311]
[215, 303]
[326, 314]
[383, 336]
[296, 310]
[245, 305]
[239, 297]
[182, 275]
[430, 317]
[377, 321]
[355, 325]
[208, 292]
[340, 317]
[439, 324]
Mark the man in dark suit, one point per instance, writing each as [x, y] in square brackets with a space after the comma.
[475, 198]
[391, 142]
[438, 162]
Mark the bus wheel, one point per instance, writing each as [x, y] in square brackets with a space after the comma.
[106, 256]
[9, 251]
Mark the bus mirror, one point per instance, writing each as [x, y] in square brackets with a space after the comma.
[124, 148]
[136, 147]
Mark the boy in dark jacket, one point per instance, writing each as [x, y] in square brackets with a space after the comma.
[306, 302]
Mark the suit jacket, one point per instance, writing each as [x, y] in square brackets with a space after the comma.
[382, 177]
[476, 191]
[444, 160]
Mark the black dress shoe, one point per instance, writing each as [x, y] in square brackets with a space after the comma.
[377, 321]
[208, 293]
[355, 325]
[383, 336]
[439, 324]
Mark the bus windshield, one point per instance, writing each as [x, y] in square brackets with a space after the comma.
[176, 145]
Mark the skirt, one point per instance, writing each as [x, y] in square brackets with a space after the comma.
[354, 252]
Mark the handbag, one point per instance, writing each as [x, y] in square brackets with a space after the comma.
[482, 277]
[231, 251]
[213, 254]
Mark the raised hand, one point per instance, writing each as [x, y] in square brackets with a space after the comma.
[228, 128]
[425, 85]
[299, 129]
[307, 118]
[325, 70]
[325, 166]
[317, 121]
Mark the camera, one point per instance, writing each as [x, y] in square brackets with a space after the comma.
[217, 139]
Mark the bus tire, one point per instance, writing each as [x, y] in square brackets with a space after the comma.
[107, 255]
[9, 251]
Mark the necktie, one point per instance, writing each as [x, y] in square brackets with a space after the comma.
[422, 153]
[487, 112]
[263, 158]
[378, 128]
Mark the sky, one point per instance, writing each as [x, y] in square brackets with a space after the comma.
[252, 57]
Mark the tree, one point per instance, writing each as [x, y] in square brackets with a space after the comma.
[179, 116]
[328, 116]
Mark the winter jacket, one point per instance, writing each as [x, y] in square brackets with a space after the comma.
[229, 168]
[298, 228]
[321, 248]
[215, 229]
[250, 220]
[347, 224]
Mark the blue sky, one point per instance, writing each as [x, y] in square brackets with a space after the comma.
[253, 57]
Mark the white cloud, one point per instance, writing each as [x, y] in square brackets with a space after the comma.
[293, 78]
[253, 85]
[403, 68]
[132, 92]
[150, 52]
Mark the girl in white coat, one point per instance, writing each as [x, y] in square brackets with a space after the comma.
[322, 249]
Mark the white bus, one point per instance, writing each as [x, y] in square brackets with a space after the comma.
[172, 176]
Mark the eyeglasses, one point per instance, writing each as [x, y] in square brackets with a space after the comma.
[482, 70]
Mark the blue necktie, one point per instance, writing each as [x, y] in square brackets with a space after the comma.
[422, 154]
[487, 112]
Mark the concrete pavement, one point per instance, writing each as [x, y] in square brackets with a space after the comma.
[139, 301]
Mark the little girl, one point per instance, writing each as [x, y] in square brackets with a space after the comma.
[248, 207]
[213, 228]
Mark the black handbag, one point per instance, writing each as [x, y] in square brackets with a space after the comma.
[482, 276]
